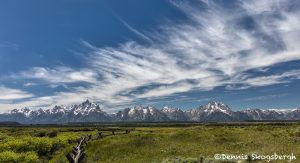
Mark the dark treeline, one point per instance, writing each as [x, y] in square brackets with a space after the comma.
[155, 124]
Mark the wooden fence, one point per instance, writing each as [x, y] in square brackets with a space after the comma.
[78, 156]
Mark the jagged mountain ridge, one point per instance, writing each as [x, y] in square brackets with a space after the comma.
[212, 112]
[91, 112]
[84, 112]
[140, 113]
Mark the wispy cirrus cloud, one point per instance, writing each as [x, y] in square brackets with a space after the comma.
[13, 94]
[244, 81]
[217, 47]
[135, 31]
[29, 84]
[265, 97]
[9, 45]
[56, 75]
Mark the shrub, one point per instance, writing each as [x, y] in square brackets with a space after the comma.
[41, 134]
[10, 156]
[40, 145]
[52, 134]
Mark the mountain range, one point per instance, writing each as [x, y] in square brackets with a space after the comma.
[91, 112]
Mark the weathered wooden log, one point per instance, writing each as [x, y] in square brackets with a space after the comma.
[74, 152]
[70, 158]
[90, 137]
[77, 153]
[81, 157]
[100, 135]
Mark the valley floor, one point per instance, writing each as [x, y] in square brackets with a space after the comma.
[150, 144]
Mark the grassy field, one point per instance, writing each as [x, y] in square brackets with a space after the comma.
[149, 144]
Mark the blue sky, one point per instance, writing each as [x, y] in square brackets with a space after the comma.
[138, 52]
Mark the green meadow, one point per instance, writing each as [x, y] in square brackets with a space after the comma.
[149, 144]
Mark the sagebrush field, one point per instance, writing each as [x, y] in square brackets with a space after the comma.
[147, 144]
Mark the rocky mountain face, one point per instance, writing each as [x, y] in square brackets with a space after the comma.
[91, 112]
[140, 113]
[212, 112]
[175, 114]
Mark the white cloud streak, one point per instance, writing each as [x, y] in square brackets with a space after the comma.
[9, 45]
[135, 31]
[13, 94]
[57, 75]
[266, 97]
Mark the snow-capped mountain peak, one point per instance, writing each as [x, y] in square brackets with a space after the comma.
[141, 113]
[26, 111]
[282, 110]
[58, 109]
[168, 109]
[141, 110]
[215, 106]
[85, 108]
